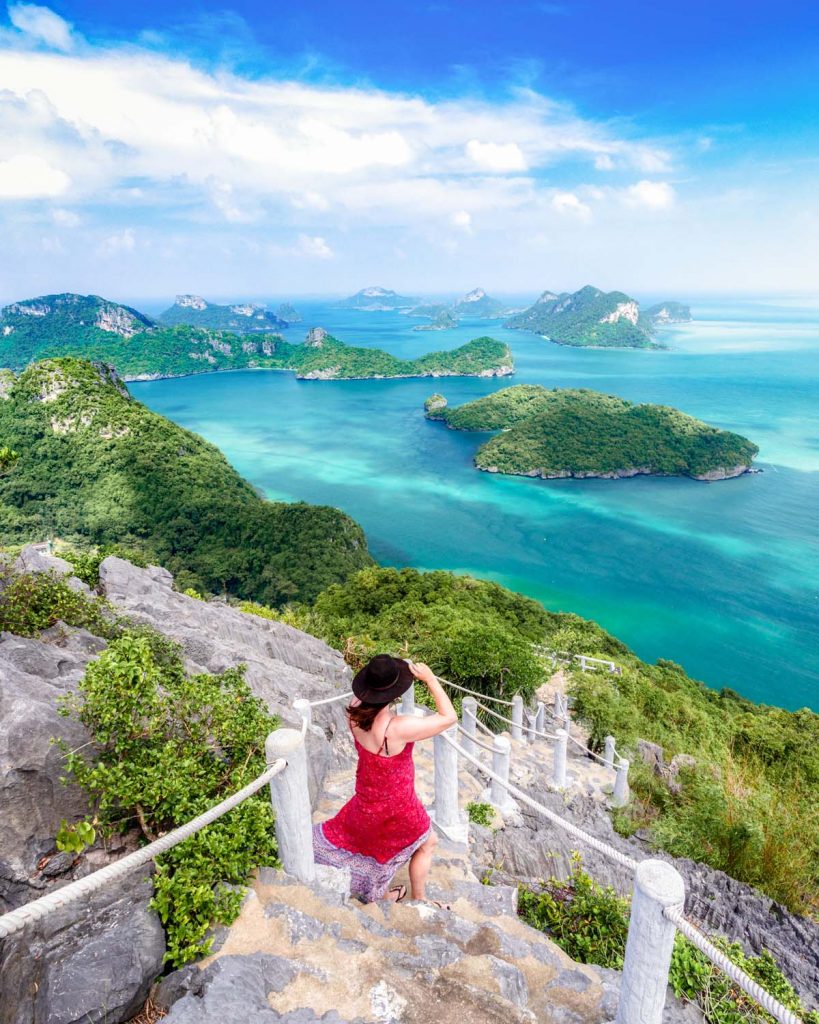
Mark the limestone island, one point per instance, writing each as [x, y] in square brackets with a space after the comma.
[241, 318]
[591, 318]
[139, 348]
[579, 433]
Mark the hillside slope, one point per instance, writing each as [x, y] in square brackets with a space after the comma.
[588, 318]
[95, 464]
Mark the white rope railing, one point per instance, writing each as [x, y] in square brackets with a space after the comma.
[330, 700]
[579, 833]
[17, 919]
[474, 693]
[728, 967]
[487, 731]
[589, 751]
[494, 714]
[476, 741]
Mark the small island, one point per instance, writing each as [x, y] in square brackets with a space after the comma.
[442, 322]
[579, 433]
[241, 318]
[591, 318]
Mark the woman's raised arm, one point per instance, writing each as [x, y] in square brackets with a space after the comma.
[410, 728]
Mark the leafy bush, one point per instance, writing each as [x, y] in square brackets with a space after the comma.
[481, 814]
[87, 562]
[32, 602]
[168, 748]
[587, 921]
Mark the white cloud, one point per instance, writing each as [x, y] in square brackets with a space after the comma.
[656, 195]
[314, 246]
[42, 25]
[603, 162]
[462, 219]
[27, 176]
[568, 203]
[121, 241]
[65, 218]
[496, 156]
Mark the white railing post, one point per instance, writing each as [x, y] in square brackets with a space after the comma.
[558, 713]
[531, 726]
[501, 757]
[657, 885]
[290, 797]
[583, 663]
[408, 701]
[559, 772]
[469, 714]
[540, 717]
[621, 794]
[608, 751]
[517, 717]
[446, 814]
[303, 709]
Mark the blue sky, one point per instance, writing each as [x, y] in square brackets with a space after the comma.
[258, 150]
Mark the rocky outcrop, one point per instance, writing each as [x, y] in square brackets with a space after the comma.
[94, 965]
[316, 337]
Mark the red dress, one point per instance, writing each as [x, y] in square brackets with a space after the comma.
[380, 828]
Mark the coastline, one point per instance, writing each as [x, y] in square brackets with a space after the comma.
[712, 476]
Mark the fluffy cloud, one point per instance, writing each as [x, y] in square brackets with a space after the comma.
[568, 203]
[122, 241]
[656, 195]
[42, 25]
[65, 218]
[462, 219]
[496, 156]
[314, 246]
[27, 176]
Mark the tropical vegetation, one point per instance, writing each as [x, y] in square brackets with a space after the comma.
[95, 467]
[577, 432]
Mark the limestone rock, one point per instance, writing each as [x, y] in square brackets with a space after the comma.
[652, 755]
[35, 559]
[92, 965]
[315, 337]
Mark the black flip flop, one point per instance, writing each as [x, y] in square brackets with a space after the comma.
[401, 890]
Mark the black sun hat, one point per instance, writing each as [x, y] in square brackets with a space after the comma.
[382, 680]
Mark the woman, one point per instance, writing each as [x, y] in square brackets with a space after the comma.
[385, 825]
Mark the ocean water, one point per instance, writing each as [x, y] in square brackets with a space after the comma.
[722, 578]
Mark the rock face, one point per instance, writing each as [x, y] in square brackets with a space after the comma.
[94, 966]
[315, 337]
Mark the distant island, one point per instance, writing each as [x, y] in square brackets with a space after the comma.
[243, 318]
[590, 318]
[443, 321]
[377, 300]
[90, 327]
[563, 432]
[289, 313]
[474, 304]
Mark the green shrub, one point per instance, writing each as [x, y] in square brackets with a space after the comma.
[481, 814]
[87, 562]
[169, 747]
[32, 602]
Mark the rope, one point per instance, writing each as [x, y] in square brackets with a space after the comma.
[474, 693]
[590, 752]
[738, 976]
[494, 714]
[17, 919]
[578, 833]
[476, 741]
[485, 728]
[330, 700]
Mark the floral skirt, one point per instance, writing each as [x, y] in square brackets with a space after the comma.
[369, 879]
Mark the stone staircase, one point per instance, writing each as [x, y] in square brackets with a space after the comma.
[300, 954]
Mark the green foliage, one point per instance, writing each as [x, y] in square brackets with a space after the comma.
[101, 470]
[580, 432]
[75, 838]
[480, 814]
[87, 562]
[587, 921]
[169, 747]
[748, 807]
[8, 459]
[580, 319]
[590, 923]
[222, 318]
[32, 602]
[471, 631]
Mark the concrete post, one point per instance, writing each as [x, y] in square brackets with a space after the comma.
[559, 714]
[302, 708]
[469, 714]
[408, 701]
[501, 756]
[583, 663]
[531, 726]
[608, 751]
[621, 793]
[559, 776]
[540, 717]
[290, 797]
[446, 779]
[650, 942]
[517, 717]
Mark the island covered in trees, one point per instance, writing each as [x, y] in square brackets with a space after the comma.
[90, 327]
[580, 433]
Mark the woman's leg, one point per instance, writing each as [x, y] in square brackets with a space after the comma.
[419, 866]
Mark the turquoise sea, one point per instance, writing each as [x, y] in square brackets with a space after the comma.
[722, 578]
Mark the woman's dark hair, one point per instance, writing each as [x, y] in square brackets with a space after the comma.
[363, 715]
